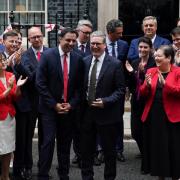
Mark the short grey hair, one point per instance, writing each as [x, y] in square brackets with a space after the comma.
[84, 22]
[99, 34]
[150, 18]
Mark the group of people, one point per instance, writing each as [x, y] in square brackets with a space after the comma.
[77, 92]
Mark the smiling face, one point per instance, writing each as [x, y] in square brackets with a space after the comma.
[97, 46]
[144, 49]
[3, 63]
[84, 33]
[149, 27]
[161, 60]
[67, 42]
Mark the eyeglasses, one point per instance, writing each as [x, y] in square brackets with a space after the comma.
[36, 37]
[96, 43]
[86, 33]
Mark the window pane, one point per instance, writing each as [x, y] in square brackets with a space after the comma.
[3, 22]
[3, 5]
[36, 5]
[17, 5]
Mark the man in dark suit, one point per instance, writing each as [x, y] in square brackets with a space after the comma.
[118, 49]
[149, 27]
[27, 107]
[104, 87]
[84, 29]
[58, 80]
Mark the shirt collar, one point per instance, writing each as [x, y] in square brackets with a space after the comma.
[79, 44]
[61, 52]
[108, 42]
[153, 39]
[100, 59]
[35, 50]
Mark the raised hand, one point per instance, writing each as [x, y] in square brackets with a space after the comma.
[148, 79]
[128, 66]
[11, 81]
[161, 78]
[21, 81]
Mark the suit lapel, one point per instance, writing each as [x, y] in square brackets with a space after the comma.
[87, 68]
[57, 64]
[103, 68]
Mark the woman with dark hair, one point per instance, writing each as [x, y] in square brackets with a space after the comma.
[161, 117]
[8, 93]
[136, 76]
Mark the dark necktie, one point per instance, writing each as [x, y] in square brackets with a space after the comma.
[82, 47]
[113, 49]
[38, 55]
[65, 76]
[92, 83]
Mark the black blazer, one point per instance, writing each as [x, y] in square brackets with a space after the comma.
[110, 88]
[49, 80]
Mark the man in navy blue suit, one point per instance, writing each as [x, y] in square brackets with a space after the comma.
[104, 87]
[59, 78]
[118, 49]
[149, 27]
[27, 106]
[84, 29]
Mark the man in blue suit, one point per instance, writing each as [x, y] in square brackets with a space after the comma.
[118, 49]
[27, 106]
[59, 77]
[104, 87]
[149, 27]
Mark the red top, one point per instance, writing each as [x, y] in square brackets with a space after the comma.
[6, 103]
[171, 93]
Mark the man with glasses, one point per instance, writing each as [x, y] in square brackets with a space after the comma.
[104, 86]
[84, 29]
[23, 160]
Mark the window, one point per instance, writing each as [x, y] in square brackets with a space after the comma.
[25, 12]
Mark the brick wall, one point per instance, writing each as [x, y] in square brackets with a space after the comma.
[70, 16]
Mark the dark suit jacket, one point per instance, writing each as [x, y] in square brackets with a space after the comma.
[87, 50]
[133, 49]
[49, 80]
[170, 94]
[122, 49]
[110, 88]
[28, 68]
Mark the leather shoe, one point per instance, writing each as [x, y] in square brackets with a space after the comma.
[101, 157]
[28, 174]
[120, 157]
[75, 159]
[96, 161]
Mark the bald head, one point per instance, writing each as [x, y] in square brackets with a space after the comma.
[35, 37]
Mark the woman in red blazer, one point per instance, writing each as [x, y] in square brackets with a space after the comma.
[8, 93]
[161, 117]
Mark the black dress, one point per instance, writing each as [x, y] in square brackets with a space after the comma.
[161, 141]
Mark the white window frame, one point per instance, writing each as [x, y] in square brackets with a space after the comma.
[45, 15]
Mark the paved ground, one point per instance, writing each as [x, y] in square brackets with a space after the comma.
[129, 170]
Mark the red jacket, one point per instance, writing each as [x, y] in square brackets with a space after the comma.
[171, 94]
[6, 103]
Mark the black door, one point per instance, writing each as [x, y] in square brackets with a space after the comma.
[132, 12]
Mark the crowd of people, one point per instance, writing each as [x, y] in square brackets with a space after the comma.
[76, 93]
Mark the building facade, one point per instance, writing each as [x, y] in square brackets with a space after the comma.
[68, 12]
